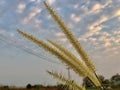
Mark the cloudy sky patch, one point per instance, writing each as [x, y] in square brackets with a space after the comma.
[94, 23]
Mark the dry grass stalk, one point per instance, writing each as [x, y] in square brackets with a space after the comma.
[72, 85]
[71, 56]
[81, 70]
[55, 52]
[71, 38]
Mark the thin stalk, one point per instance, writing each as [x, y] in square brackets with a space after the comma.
[71, 83]
[102, 86]
[77, 68]
[71, 37]
[67, 53]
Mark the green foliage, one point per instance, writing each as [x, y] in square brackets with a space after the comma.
[28, 86]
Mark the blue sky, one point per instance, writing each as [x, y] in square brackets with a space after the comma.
[94, 22]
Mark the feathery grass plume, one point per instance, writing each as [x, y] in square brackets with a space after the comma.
[81, 70]
[71, 38]
[69, 54]
[55, 52]
[72, 84]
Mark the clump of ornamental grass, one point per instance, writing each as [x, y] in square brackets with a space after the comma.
[83, 68]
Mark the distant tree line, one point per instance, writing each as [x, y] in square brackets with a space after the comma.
[42, 87]
[113, 82]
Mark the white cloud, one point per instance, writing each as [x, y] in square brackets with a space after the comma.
[105, 34]
[50, 1]
[75, 18]
[38, 1]
[34, 11]
[107, 44]
[117, 37]
[97, 7]
[82, 39]
[102, 38]
[117, 12]
[110, 42]
[93, 31]
[21, 7]
[95, 27]
[117, 41]
[76, 6]
[105, 38]
[93, 39]
[116, 32]
[59, 34]
[37, 22]
[108, 2]
[63, 39]
[12, 34]
[32, 0]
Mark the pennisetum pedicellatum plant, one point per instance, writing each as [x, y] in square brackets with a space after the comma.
[83, 68]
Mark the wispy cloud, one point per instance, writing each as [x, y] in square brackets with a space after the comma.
[75, 18]
[95, 27]
[96, 7]
[117, 12]
[20, 8]
[64, 40]
[60, 34]
[33, 12]
[51, 1]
